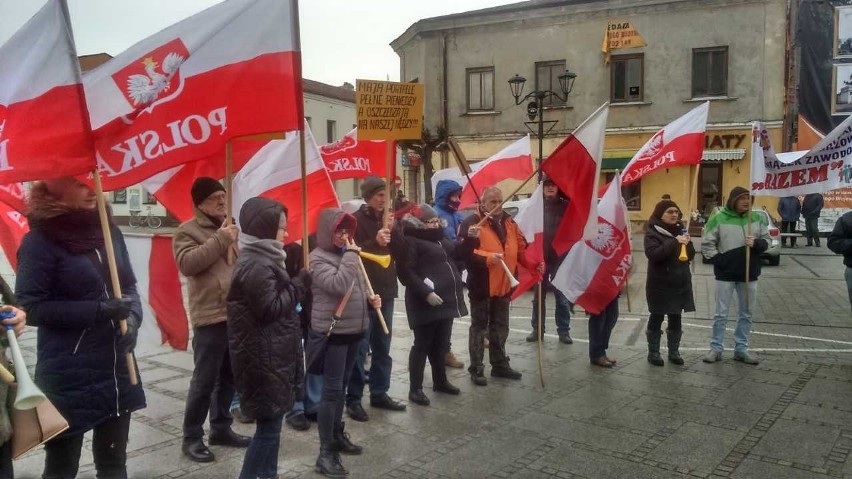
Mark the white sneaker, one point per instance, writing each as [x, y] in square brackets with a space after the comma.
[712, 356]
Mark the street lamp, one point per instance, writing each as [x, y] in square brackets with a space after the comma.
[535, 108]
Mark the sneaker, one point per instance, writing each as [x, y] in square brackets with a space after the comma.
[747, 357]
[298, 422]
[451, 361]
[565, 338]
[712, 356]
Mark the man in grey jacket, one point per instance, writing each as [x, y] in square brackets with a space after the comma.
[840, 241]
[201, 250]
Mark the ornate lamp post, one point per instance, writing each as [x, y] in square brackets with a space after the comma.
[535, 108]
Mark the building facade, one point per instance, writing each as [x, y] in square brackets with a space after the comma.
[731, 52]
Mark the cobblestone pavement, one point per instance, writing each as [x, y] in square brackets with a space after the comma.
[791, 416]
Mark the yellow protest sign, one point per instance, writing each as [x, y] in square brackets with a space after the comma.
[389, 110]
[620, 34]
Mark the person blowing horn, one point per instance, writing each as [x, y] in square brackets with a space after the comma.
[498, 240]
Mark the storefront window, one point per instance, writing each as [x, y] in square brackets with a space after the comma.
[631, 193]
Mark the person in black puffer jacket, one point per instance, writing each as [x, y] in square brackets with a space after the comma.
[64, 286]
[433, 295]
[264, 334]
[669, 284]
[840, 241]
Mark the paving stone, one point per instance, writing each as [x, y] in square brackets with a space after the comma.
[486, 455]
[179, 359]
[825, 415]
[160, 405]
[600, 465]
[752, 469]
[598, 436]
[157, 373]
[697, 447]
[178, 385]
[750, 396]
[586, 402]
[798, 442]
[827, 392]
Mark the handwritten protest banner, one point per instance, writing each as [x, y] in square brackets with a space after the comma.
[389, 110]
[827, 166]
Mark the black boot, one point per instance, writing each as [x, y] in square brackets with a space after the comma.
[342, 444]
[328, 464]
[654, 347]
[674, 343]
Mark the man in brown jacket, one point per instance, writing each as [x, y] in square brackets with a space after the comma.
[201, 251]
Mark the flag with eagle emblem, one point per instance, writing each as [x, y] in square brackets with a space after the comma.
[179, 95]
[595, 270]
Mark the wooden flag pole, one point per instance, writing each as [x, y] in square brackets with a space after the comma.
[540, 296]
[389, 161]
[747, 251]
[692, 202]
[113, 268]
[506, 198]
[229, 197]
[303, 163]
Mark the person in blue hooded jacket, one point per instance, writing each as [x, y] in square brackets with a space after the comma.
[447, 202]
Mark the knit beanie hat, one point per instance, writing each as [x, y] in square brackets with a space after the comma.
[203, 187]
[661, 208]
[370, 186]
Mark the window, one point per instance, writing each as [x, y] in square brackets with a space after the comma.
[631, 193]
[331, 130]
[480, 89]
[119, 196]
[547, 78]
[626, 78]
[709, 72]
[149, 198]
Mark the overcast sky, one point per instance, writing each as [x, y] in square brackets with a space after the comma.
[341, 39]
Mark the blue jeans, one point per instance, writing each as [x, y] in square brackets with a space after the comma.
[261, 458]
[563, 310]
[849, 282]
[724, 294]
[600, 329]
[313, 396]
[380, 365]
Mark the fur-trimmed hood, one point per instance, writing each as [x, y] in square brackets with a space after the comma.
[42, 205]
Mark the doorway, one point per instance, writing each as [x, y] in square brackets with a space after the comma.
[710, 188]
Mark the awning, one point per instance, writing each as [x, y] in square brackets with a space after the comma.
[616, 159]
[723, 155]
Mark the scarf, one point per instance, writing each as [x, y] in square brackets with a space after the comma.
[270, 248]
[76, 231]
[657, 223]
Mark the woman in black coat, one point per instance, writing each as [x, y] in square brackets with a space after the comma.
[426, 266]
[264, 334]
[669, 284]
[64, 286]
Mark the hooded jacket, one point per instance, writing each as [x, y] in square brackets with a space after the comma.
[429, 266]
[723, 243]
[443, 191]
[668, 287]
[840, 239]
[201, 253]
[264, 335]
[78, 365]
[333, 271]
[789, 208]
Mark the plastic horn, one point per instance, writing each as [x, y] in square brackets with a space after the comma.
[382, 260]
[683, 256]
[29, 395]
[372, 293]
[512, 281]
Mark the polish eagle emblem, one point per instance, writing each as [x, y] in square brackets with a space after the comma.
[608, 240]
[653, 148]
[154, 77]
[2, 119]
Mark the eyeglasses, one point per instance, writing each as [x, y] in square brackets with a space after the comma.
[341, 232]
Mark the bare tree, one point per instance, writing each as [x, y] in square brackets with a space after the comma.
[427, 144]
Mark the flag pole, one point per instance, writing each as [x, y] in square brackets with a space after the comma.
[113, 268]
[692, 202]
[748, 249]
[540, 298]
[391, 196]
[464, 166]
[229, 197]
[303, 163]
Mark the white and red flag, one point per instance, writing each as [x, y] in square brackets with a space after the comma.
[679, 143]
[595, 270]
[275, 172]
[44, 130]
[513, 162]
[575, 167]
[13, 227]
[159, 286]
[181, 94]
[14, 195]
[530, 220]
[353, 158]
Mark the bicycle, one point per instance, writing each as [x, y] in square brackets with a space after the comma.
[137, 219]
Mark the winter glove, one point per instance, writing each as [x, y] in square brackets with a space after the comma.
[127, 341]
[434, 300]
[114, 309]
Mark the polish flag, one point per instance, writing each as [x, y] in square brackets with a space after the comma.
[595, 270]
[14, 195]
[159, 286]
[13, 227]
[44, 132]
[513, 162]
[575, 167]
[530, 220]
[353, 158]
[177, 96]
[275, 172]
[681, 142]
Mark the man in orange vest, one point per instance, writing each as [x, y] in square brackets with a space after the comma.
[489, 287]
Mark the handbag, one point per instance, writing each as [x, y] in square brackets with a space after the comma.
[315, 352]
[33, 427]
